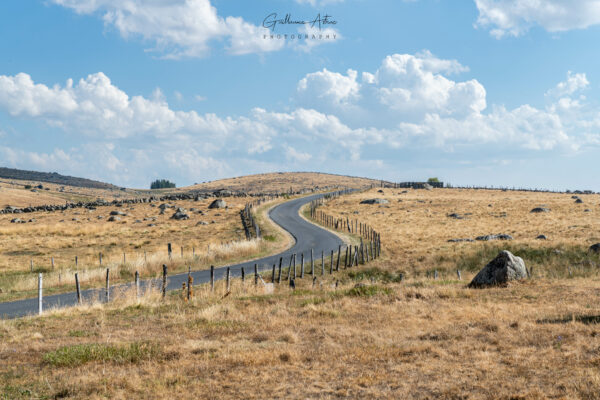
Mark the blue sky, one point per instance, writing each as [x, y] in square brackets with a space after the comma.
[496, 92]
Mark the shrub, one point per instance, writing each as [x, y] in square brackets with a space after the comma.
[368, 291]
[73, 356]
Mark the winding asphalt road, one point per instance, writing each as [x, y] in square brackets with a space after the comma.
[307, 236]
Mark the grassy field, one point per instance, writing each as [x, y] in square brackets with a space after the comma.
[416, 225]
[383, 330]
[209, 237]
[20, 193]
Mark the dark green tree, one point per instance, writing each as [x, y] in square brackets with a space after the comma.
[162, 184]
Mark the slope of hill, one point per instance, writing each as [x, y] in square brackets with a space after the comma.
[283, 182]
[27, 188]
[53, 177]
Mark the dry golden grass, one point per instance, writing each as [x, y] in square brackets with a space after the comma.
[415, 226]
[13, 193]
[282, 182]
[56, 235]
[416, 338]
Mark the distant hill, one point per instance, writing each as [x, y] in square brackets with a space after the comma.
[53, 177]
[282, 182]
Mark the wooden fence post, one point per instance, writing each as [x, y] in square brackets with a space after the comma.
[137, 284]
[181, 251]
[279, 272]
[312, 263]
[273, 274]
[322, 262]
[78, 288]
[458, 274]
[31, 265]
[243, 275]
[294, 266]
[289, 275]
[40, 294]
[107, 289]
[100, 258]
[331, 263]
[169, 250]
[227, 279]
[337, 264]
[302, 266]
[76, 261]
[164, 281]
[212, 278]
[52, 261]
[255, 274]
[189, 288]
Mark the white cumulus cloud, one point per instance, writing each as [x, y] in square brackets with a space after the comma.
[515, 17]
[177, 28]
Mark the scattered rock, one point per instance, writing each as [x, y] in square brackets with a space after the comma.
[455, 216]
[114, 218]
[151, 225]
[374, 201]
[502, 269]
[165, 205]
[541, 237]
[219, 203]
[427, 186]
[17, 221]
[578, 201]
[587, 210]
[595, 248]
[202, 223]
[119, 213]
[540, 210]
[500, 236]
[460, 240]
[180, 214]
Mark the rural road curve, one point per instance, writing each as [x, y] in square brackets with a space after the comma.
[307, 235]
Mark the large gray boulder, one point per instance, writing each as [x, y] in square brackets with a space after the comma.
[374, 201]
[219, 203]
[502, 269]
